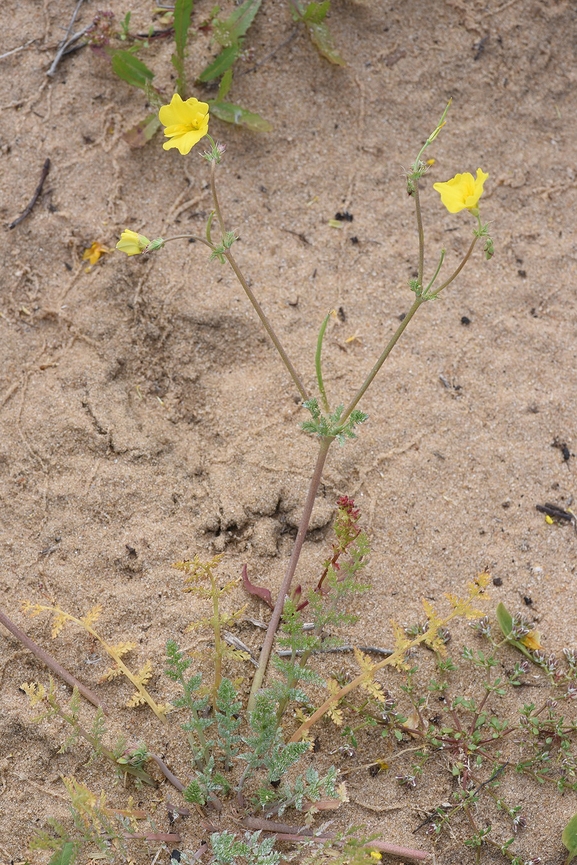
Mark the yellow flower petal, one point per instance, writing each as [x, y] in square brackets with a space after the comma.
[186, 123]
[94, 253]
[532, 640]
[462, 192]
[132, 243]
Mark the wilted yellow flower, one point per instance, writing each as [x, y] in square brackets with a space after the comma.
[462, 192]
[132, 243]
[186, 123]
[376, 855]
[94, 253]
[532, 641]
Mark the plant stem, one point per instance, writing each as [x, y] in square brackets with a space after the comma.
[390, 345]
[194, 237]
[257, 307]
[318, 365]
[421, 233]
[218, 651]
[51, 663]
[291, 568]
[457, 271]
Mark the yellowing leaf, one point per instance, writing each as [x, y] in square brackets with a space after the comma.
[35, 691]
[111, 673]
[336, 716]
[144, 673]
[363, 661]
[58, 624]
[374, 689]
[137, 699]
[121, 649]
[92, 615]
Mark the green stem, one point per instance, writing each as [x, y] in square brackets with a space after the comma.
[318, 365]
[257, 307]
[290, 571]
[189, 237]
[436, 273]
[456, 272]
[217, 639]
[421, 233]
[390, 345]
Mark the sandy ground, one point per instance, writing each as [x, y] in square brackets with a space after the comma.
[145, 417]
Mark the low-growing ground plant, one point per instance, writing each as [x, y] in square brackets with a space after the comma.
[252, 754]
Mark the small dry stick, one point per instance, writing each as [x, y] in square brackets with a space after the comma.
[35, 197]
[16, 50]
[286, 832]
[65, 42]
[51, 662]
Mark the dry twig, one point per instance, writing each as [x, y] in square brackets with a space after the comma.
[35, 197]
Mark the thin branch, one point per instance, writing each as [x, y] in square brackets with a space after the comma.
[257, 307]
[35, 197]
[65, 42]
[291, 568]
[16, 50]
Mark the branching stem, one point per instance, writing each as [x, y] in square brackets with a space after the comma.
[458, 270]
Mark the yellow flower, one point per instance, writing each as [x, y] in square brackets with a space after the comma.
[132, 243]
[94, 253]
[376, 855]
[462, 192]
[186, 123]
[532, 640]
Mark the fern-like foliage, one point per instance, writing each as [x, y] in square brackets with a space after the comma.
[126, 760]
[432, 637]
[116, 652]
[98, 831]
[201, 580]
[227, 849]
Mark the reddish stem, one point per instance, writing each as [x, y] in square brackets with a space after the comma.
[51, 662]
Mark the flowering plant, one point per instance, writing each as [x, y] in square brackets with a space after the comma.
[186, 123]
[462, 192]
[132, 243]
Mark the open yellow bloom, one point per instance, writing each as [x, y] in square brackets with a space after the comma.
[132, 243]
[462, 192]
[186, 123]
